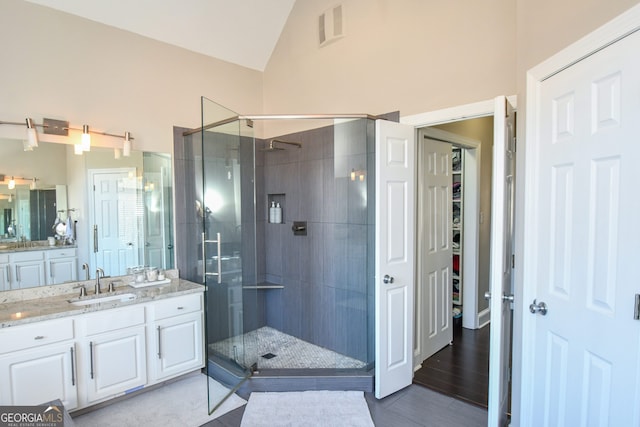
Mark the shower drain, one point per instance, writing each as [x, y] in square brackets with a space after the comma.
[269, 356]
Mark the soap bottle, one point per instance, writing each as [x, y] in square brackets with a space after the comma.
[272, 212]
[278, 213]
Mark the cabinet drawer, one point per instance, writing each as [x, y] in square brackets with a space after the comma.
[27, 256]
[4, 258]
[179, 305]
[111, 320]
[36, 334]
[61, 253]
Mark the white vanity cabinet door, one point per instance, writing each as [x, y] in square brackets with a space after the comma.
[38, 375]
[176, 338]
[114, 356]
[62, 266]
[28, 268]
[38, 363]
[5, 273]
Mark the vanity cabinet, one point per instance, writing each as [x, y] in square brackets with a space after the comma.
[38, 364]
[176, 336]
[90, 358]
[62, 265]
[113, 349]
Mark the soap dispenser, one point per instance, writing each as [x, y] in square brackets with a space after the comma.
[272, 212]
[278, 213]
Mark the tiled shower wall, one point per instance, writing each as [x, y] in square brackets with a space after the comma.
[328, 274]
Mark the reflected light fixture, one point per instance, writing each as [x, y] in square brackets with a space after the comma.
[32, 186]
[32, 136]
[86, 138]
[12, 183]
[10, 197]
[126, 146]
[117, 153]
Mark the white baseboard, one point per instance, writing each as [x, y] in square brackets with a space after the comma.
[484, 317]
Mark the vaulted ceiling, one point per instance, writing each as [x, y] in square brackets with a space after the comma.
[243, 32]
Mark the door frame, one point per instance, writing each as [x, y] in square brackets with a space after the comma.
[623, 25]
[455, 114]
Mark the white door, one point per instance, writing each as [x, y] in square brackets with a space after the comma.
[582, 241]
[434, 276]
[116, 214]
[394, 269]
[502, 195]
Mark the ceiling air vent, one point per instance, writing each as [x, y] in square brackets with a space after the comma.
[331, 25]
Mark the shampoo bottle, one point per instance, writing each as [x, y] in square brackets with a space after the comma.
[278, 213]
[272, 212]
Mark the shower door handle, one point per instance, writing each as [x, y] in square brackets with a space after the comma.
[218, 243]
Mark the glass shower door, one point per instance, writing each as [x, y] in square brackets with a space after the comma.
[227, 209]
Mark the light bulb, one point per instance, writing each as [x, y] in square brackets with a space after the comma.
[32, 136]
[12, 183]
[126, 146]
[86, 138]
[77, 149]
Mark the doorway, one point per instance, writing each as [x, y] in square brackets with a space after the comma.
[467, 145]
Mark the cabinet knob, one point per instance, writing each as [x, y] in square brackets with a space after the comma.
[39, 337]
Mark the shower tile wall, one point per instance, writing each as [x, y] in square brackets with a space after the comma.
[328, 274]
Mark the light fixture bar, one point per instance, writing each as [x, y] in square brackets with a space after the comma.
[60, 127]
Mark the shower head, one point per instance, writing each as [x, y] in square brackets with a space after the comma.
[273, 147]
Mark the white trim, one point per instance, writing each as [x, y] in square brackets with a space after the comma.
[484, 317]
[454, 114]
[470, 228]
[525, 281]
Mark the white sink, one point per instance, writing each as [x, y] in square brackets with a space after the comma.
[102, 299]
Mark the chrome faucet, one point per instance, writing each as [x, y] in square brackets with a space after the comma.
[99, 272]
[85, 267]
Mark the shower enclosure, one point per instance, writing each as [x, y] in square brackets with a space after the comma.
[290, 295]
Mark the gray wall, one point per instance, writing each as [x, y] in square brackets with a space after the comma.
[328, 274]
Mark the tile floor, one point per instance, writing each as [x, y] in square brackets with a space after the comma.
[290, 352]
[415, 406]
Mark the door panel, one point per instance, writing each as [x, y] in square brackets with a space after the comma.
[502, 191]
[434, 276]
[585, 160]
[395, 223]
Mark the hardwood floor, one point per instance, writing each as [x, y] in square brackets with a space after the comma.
[460, 370]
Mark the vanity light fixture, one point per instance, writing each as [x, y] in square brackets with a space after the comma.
[12, 183]
[126, 146]
[62, 128]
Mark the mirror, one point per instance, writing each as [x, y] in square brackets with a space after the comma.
[120, 209]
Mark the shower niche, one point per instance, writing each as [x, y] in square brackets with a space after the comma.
[276, 204]
[300, 305]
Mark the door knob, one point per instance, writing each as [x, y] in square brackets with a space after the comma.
[487, 295]
[387, 279]
[538, 307]
[508, 297]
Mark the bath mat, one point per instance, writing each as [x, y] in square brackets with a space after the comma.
[307, 408]
[181, 403]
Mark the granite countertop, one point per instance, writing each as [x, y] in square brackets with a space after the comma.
[8, 248]
[51, 302]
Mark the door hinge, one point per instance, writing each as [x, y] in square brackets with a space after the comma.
[636, 308]
[513, 261]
